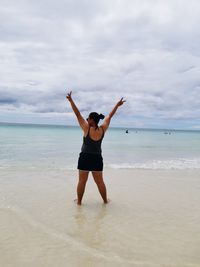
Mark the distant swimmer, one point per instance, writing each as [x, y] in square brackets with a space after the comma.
[126, 131]
[167, 132]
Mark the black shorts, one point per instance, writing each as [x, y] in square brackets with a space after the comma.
[90, 162]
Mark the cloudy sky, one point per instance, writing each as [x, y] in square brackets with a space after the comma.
[147, 51]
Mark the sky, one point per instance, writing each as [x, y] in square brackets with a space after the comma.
[146, 51]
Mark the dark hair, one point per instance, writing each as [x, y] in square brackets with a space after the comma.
[96, 117]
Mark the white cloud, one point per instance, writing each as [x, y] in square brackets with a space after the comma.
[146, 51]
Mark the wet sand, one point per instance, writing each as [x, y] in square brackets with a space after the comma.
[153, 219]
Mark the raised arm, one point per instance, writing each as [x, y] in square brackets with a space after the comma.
[83, 124]
[107, 120]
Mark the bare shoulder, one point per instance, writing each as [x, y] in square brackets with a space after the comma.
[104, 127]
[106, 123]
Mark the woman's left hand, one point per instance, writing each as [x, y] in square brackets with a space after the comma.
[69, 96]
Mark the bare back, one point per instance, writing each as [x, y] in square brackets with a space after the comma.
[95, 134]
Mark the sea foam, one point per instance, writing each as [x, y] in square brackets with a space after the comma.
[177, 164]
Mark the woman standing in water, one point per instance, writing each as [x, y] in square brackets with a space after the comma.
[90, 158]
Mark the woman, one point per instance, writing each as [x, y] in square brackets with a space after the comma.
[90, 158]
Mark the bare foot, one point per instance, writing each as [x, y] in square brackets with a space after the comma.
[77, 202]
[108, 201]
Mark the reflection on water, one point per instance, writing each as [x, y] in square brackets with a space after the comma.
[90, 224]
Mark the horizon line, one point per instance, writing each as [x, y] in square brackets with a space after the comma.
[118, 127]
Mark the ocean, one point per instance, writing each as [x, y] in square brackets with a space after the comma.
[57, 147]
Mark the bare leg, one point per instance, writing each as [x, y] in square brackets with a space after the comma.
[98, 178]
[83, 176]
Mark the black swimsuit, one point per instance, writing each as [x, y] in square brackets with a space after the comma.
[90, 158]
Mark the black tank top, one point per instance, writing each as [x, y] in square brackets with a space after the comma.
[91, 146]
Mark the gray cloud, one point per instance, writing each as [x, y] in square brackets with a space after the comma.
[146, 51]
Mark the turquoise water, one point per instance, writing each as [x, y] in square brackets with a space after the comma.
[58, 147]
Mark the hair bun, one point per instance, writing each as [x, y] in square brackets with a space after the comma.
[101, 116]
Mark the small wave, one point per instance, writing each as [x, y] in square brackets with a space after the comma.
[176, 164]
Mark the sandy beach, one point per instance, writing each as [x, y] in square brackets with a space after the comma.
[153, 219]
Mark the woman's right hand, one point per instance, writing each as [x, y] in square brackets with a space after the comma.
[69, 96]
